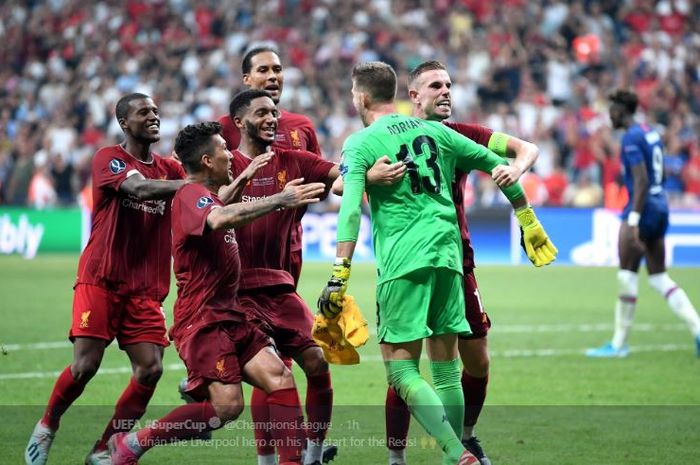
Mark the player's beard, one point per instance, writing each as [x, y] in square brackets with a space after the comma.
[254, 135]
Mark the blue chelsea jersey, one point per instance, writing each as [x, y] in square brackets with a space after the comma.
[642, 144]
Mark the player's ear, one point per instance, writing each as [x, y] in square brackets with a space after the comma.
[122, 123]
[206, 160]
[413, 95]
[237, 121]
[246, 79]
[365, 99]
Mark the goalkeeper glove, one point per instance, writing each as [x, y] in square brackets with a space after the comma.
[331, 301]
[538, 247]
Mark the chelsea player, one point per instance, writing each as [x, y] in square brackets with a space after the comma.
[644, 225]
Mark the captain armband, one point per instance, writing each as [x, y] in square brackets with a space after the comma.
[498, 143]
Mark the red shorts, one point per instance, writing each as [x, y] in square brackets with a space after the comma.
[218, 352]
[102, 314]
[283, 316]
[295, 265]
[477, 318]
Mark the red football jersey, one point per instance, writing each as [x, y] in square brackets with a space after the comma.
[129, 247]
[266, 243]
[480, 135]
[207, 265]
[294, 132]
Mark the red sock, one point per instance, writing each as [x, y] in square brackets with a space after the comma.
[285, 413]
[185, 422]
[474, 395]
[397, 418]
[64, 393]
[130, 407]
[260, 412]
[319, 405]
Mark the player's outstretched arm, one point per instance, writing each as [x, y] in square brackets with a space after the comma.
[233, 192]
[149, 189]
[525, 155]
[382, 173]
[386, 173]
[295, 194]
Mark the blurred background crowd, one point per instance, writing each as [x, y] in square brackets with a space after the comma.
[539, 70]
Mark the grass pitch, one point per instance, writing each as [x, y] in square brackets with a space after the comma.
[547, 403]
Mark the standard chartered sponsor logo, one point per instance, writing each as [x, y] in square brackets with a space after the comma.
[153, 207]
[252, 198]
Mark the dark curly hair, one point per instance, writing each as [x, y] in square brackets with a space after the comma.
[242, 100]
[626, 98]
[193, 141]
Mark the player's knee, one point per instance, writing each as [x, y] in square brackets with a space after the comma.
[278, 377]
[149, 374]
[230, 410]
[478, 367]
[285, 379]
[84, 369]
[662, 283]
[316, 364]
[628, 283]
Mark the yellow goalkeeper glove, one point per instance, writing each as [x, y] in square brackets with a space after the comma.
[331, 301]
[538, 247]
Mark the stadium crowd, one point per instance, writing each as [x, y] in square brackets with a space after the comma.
[539, 70]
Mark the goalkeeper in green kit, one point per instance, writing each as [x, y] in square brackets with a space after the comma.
[417, 247]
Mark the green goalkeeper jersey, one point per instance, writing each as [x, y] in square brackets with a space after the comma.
[414, 222]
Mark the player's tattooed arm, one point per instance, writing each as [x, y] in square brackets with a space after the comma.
[149, 189]
[294, 195]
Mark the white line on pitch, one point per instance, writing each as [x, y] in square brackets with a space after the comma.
[581, 328]
[102, 371]
[514, 353]
[37, 346]
[510, 329]
[517, 353]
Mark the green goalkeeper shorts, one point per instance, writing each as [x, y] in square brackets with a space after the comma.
[423, 303]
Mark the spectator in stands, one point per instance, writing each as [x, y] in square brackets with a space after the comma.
[539, 67]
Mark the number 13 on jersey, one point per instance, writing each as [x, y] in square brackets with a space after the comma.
[421, 184]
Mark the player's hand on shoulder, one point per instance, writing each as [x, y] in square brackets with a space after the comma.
[297, 194]
[385, 173]
[506, 175]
